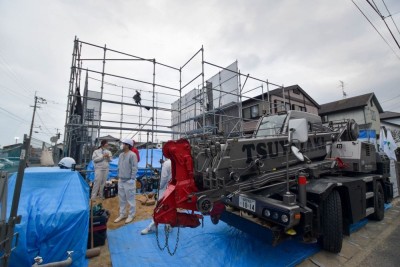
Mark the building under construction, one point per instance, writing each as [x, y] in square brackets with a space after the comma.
[129, 96]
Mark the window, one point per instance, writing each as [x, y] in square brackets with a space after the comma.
[301, 108]
[324, 118]
[271, 125]
[296, 91]
[251, 112]
[89, 116]
[373, 115]
[293, 107]
[282, 106]
[254, 111]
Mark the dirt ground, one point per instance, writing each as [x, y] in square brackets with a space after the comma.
[143, 212]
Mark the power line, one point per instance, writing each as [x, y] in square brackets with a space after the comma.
[391, 16]
[14, 75]
[11, 92]
[394, 105]
[374, 7]
[12, 114]
[384, 21]
[387, 100]
[383, 38]
[44, 125]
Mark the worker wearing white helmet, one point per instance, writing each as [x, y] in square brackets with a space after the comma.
[127, 170]
[66, 163]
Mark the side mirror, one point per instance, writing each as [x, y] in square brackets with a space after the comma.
[297, 153]
[298, 130]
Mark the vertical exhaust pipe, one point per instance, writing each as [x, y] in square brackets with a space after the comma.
[302, 181]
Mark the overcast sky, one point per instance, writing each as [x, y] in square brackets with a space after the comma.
[311, 43]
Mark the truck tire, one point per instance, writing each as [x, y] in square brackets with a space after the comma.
[332, 223]
[379, 213]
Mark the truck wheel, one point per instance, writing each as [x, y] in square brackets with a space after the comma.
[379, 213]
[332, 223]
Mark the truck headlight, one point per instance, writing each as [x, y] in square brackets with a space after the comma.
[267, 213]
[284, 218]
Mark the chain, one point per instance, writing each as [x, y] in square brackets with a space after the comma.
[176, 244]
[158, 241]
[166, 245]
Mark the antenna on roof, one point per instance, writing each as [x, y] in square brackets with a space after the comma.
[343, 92]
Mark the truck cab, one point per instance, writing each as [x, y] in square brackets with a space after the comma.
[274, 125]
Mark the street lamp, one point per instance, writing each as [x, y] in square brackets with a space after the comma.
[16, 139]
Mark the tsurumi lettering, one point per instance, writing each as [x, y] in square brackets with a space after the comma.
[272, 149]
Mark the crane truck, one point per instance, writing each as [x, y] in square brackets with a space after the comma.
[293, 176]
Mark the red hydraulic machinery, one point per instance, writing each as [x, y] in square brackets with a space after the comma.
[178, 205]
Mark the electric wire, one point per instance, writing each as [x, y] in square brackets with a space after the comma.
[375, 8]
[14, 76]
[383, 38]
[390, 15]
[387, 100]
[44, 125]
[14, 116]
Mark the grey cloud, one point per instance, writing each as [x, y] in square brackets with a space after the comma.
[311, 43]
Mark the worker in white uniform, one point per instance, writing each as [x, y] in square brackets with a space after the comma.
[166, 176]
[127, 170]
[101, 158]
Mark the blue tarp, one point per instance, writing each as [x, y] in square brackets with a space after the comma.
[55, 216]
[365, 134]
[143, 153]
[213, 245]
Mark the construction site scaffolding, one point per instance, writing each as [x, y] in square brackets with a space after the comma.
[110, 107]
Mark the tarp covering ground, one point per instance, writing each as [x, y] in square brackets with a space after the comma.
[212, 245]
[145, 158]
[55, 216]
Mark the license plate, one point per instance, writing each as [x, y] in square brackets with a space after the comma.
[247, 203]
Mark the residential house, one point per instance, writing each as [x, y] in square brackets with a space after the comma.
[224, 118]
[364, 109]
[391, 120]
[278, 100]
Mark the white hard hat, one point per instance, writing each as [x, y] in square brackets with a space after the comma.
[127, 141]
[66, 163]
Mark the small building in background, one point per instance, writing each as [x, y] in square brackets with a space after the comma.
[364, 109]
[12, 152]
[391, 121]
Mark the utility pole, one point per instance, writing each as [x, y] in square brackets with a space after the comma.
[33, 116]
[38, 100]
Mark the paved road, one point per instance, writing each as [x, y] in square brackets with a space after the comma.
[386, 254]
[375, 244]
